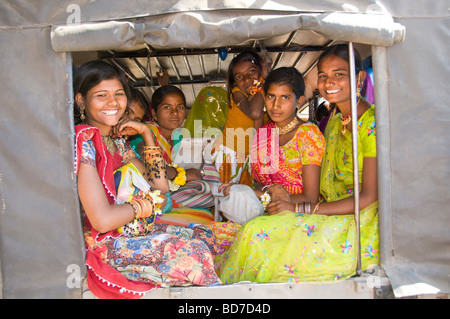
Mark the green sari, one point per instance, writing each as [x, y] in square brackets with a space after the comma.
[292, 248]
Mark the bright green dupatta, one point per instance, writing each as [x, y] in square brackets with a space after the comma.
[289, 247]
[336, 180]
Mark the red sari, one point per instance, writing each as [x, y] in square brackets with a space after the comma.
[116, 263]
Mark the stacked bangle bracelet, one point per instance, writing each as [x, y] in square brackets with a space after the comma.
[142, 207]
[305, 208]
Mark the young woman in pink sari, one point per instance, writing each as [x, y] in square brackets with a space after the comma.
[126, 254]
[286, 152]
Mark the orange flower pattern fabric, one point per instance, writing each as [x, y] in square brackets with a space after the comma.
[274, 164]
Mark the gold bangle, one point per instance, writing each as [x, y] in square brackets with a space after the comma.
[151, 148]
[316, 209]
[135, 207]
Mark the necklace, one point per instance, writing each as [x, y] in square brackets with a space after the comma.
[289, 127]
[346, 119]
[109, 143]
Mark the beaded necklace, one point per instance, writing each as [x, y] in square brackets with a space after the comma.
[289, 127]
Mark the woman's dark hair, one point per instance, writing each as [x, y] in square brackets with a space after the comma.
[162, 91]
[244, 56]
[91, 74]
[341, 51]
[289, 76]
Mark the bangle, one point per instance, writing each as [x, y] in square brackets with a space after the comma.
[142, 207]
[307, 208]
[135, 207]
[151, 148]
[303, 208]
[316, 209]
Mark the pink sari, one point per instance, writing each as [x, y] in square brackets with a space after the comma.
[275, 164]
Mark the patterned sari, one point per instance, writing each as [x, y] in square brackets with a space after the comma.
[274, 164]
[292, 248]
[195, 194]
[128, 267]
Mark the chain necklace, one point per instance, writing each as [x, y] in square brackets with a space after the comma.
[110, 146]
[289, 127]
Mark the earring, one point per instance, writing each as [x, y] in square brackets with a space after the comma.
[264, 109]
[82, 116]
[359, 85]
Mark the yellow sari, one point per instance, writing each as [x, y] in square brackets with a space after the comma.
[291, 248]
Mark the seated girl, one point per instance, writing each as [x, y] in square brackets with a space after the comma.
[126, 253]
[246, 74]
[190, 189]
[286, 152]
[317, 240]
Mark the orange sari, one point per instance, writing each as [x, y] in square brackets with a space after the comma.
[232, 149]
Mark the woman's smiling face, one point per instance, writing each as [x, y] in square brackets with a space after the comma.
[105, 104]
[334, 80]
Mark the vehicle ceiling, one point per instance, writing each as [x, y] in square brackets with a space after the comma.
[192, 69]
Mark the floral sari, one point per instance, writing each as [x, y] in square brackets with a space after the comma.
[128, 267]
[287, 247]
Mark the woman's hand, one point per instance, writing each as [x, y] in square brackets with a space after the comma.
[278, 193]
[226, 188]
[193, 174]
[278, 206]
[127, 127]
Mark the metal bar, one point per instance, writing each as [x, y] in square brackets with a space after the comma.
[202, 65]
[383, 123]
[141, 68]
[174, 67]
[354, 111]
[288, 43]
[315, 61]
[167, 53]
[117, 64]
[188, 66]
